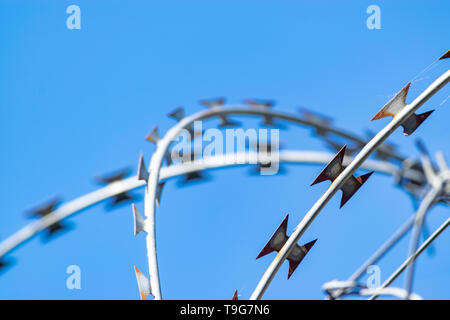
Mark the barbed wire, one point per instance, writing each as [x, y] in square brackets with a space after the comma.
[403, 115]
[176, 170]
[409, 174]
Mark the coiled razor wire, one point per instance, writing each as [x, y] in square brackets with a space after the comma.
[405, 170]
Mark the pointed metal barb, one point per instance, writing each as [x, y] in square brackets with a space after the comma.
[225, 122]
[395, 105]
[139, 222]
[159, 192]
[115, 177]
[55, 228]
[260, 103]
[143, 284]
[112, 177]
[235, 295]
[46, 209]
[266, 104]
[153, 136]
[177, 114]
[193, 176]
[445, 55]
[121, 198]
[319, 121]
[213, 103]
[334, 169]
[217, 103]
[277, 241]
[142, 172]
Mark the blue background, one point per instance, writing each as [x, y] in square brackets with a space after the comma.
[77, 103]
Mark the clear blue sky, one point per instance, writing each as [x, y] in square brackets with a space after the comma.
[77, 103]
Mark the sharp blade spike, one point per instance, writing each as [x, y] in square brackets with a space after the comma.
[153, 136]
[309, 245]
[297, 255]
[193, 176]
[143, 284]
[351, 186]
[365, 177]
[139, 222]
[423, 116]
[413, 122]
[142, 171]
[292, 266]
[260, 103]
[113, 177]
[445, 55]
[277, 240]
[45, 208]
[55, 228]
[121, 198]
[235, 295]
[212, 103]
[333, 169]
[395, 105]
[177, 114]
[159, 192]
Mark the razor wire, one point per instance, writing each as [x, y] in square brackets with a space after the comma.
[439, 188]
[402, 114]
[175, 170]
[217, 109]
[156, 173]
